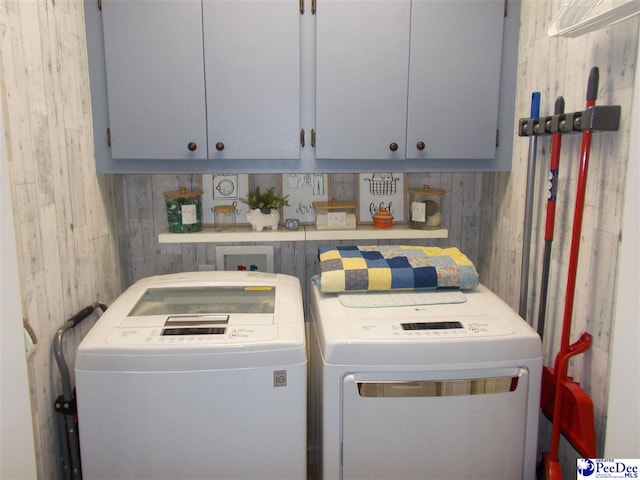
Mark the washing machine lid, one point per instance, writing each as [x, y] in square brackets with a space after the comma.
[481, 328]
[205, 304]
[199, 314]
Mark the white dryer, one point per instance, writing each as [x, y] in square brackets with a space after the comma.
[405, 391]
[196, 376]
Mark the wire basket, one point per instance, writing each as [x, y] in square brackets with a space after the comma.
[382, 184]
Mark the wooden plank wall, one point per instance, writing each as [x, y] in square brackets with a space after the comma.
[147, 218]
[69, 221]
[78, 232]
[560, 66]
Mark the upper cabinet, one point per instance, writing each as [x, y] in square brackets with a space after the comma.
[414, 79]
[259, 86]
[198, 79]
[155, 79]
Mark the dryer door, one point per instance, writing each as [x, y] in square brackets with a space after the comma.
[437, 425]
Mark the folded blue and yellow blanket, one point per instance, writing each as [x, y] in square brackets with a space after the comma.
[380, 268]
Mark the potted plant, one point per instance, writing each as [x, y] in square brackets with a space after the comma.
[263, 208]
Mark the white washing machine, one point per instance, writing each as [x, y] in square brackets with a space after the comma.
[403, 390]
[196, 376]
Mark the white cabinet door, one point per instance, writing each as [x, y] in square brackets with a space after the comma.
[361, 78]
[454, 79]
[155, 79]
[252, 58]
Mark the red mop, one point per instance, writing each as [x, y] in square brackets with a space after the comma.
[571, 407]
[554, 166]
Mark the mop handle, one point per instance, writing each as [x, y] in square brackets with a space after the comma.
[535, 104]
[556, 144]
[554, 166]
[528, 210]
[592, 92]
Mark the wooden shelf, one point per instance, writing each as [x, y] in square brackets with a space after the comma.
[369, 232]
[236, 234]
[246, 234]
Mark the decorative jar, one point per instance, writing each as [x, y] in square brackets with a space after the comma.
[184, 210]
[335, 215]
[425, 207]
[382, 218]
[224, 217]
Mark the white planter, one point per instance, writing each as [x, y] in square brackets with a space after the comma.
[259, 220]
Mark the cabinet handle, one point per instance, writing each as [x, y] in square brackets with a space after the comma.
[219, 146]
[301, 7]
[192, 146]
[393, 147]
[313, 7]
[302, 138]
[313, 137]
[420, 145]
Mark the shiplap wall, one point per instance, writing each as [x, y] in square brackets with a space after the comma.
[68, 220]
[147, 218]
[54, 186]
[560, 66]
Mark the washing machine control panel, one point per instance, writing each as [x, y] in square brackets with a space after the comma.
[459, 327]
[194, 335]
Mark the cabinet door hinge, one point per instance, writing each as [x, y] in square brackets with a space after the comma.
[506, 7]
[108, 137]
[497, 137]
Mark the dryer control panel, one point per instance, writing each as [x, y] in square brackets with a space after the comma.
[457, 327]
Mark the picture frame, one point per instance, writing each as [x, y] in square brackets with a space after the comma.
[381, 189]
[224, 189]
[251, 258]
[303, 189]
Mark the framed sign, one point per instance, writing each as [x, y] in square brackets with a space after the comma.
[376, 190]
[224, 189]
[304, 189]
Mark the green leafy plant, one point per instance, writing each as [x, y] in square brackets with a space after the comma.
[265, 201]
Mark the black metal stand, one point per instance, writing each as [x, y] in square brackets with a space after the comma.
[65, 404]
